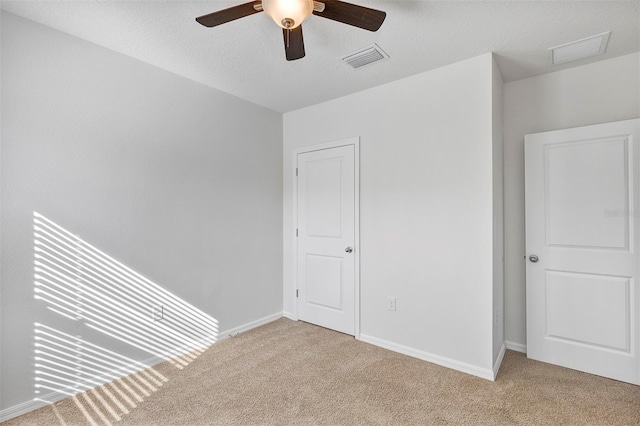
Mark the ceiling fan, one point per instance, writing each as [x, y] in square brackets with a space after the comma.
[289, 14]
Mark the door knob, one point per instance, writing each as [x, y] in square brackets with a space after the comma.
[533, 258]
[349, 249]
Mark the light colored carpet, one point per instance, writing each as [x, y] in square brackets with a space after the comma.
[287, 373]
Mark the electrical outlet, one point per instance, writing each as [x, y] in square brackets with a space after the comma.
[391, 304]
[158, 313]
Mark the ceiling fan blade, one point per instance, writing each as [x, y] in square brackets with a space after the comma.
[230, 14]
[351, 14]
[293, 43]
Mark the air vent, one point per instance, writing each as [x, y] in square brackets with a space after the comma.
[366, 56]
[590, 46]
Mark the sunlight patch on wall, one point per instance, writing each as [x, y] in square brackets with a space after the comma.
[67, 364]
[90, 288]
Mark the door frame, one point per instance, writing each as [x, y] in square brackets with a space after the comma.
[355, 142]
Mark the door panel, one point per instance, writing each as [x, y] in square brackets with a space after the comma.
[588, 309]
[323, 281]
[581, 221]
[323, 210]
[581, 175]
[326, 227]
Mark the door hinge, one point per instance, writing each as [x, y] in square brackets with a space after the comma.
[296, 232]
[296, 171]
[296, 292]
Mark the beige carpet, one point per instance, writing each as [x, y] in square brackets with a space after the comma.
[290, 372]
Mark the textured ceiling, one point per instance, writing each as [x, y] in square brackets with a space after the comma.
[246, 57]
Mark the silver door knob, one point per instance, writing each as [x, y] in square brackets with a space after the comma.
[533, 258]
[349, 249]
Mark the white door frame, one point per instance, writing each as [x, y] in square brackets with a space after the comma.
[355, 142]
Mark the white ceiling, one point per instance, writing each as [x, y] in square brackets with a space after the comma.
[246, 57]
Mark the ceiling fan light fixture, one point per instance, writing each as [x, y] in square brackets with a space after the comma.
[288, 14]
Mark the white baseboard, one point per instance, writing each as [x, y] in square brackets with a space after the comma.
[44, 400]
[474, 370]
[24, 408]
[518, 347]
[248, 326]
[53, 397]
[496, 366]
[290, 316]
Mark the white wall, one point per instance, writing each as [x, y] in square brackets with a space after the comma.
[178, 181]
[498, 215]
[426, 207]
[596, 93]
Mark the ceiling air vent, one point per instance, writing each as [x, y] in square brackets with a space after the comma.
[366, 56]
[590, 46]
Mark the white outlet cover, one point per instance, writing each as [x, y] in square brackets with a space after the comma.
[158, 313]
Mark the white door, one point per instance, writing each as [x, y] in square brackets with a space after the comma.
[582, 222]
[326, 238]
